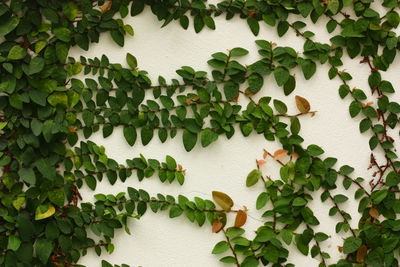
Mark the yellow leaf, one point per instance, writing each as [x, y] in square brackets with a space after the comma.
[44, 211]
[302, 104]
[223, 200]
[18, 202]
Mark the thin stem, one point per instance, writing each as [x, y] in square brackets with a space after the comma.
[231, 248]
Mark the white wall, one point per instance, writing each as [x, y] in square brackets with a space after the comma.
[158, 241]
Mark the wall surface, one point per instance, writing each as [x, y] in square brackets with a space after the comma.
[158, 241]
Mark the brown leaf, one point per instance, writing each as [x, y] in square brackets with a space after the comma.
[223, 200]
[302, 104]
[340, 249]
[374, 213]
[106, 6]
[217, 226]
[361, 253]
[241, 218]
[280, 154]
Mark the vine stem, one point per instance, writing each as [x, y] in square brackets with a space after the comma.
[341, 213]
[319, 248]
[231, 248]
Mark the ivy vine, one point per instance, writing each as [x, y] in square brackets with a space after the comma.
[45, 106]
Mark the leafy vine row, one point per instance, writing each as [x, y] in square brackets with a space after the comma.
[44, 106]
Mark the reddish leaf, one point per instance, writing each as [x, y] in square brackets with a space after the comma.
[217, 226]
[106, 6]
[241, 218]
[261, 162]
[280, 154]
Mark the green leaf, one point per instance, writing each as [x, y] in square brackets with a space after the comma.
[289, 86]
[250, 261]
[308, 67]
[58, 99]
[118, 38]
[171, 163]
[238, 52]
[198, 23]
[287, 236]
[8, 25]
[27, 175]
[209, 22]
[146, 134]
[299, 201]
[333, 6]
[314, 150]
[106, 264]
[57, 197]
[130, 135]
[340, 198]
[13, 242]
[379, 195]
[282, 28]
[264, 234]
[207, 136]
[36, 65]
[132, 62]
[355, 108]
[256, 82]
[220, 247]
[70, 10]
[351, 244]
[254, 26]
[189, 140]
[63, 34]
[253, 177]
[262, 200]
[281, 75]
[43, 248]
[280, 106]
[16, 52]
[321, 236]
[231, 90]
[175, 211]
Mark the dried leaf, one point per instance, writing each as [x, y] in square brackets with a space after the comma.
[223, 200]
[370, 103]
[280, 154]
[217, 226]
[104, 8]
[261, 162]
[361, 253]
[265, 155]
[302, 104]
[374, 213]
[340, 249]
[241, 218]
